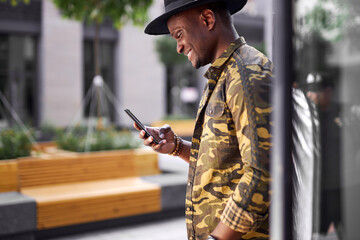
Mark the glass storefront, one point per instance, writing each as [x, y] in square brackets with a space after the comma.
[326, 119]
[182, 92]
[18, 77]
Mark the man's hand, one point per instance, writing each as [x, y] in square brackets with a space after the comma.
[223, 232]
[166, 145]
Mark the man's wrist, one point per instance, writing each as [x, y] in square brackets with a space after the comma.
[222, 231]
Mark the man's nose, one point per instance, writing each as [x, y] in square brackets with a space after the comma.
[179, 48]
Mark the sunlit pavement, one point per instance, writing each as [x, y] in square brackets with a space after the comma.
[169, 229]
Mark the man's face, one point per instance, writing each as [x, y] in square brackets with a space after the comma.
[322, 97]
[192, 37]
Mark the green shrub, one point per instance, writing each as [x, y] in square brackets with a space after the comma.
[46, 132]
[14, 143]
[79, 140]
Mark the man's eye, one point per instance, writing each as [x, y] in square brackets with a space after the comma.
[179, 34]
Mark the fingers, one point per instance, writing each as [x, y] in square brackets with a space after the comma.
[136, 127]
[148, 141]
[158, 147]
[162, 146]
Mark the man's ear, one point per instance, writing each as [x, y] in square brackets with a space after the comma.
[208, 19]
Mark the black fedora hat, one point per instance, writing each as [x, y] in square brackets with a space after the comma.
[159, 25]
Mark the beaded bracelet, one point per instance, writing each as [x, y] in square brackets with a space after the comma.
[176, 143]
[181, 147]
[178, 146]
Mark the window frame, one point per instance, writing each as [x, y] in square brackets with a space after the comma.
[281, 222]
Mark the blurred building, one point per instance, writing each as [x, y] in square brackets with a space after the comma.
[46, 63]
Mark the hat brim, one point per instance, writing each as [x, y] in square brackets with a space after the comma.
[159, 25]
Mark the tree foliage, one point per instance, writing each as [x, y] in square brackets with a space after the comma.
[15, 2]
[166, 49]
[95, 11]
[327, 18]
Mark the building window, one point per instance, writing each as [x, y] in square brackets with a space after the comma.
[18, 76]
[327, 164]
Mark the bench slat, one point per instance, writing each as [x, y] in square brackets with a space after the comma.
[86, 167]
[66, 204]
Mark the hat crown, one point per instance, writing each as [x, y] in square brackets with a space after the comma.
[159, 25]
[172, 4]
[167, 2]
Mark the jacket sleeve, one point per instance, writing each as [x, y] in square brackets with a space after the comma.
[248, 98]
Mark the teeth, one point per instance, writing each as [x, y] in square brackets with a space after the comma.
[187, 55]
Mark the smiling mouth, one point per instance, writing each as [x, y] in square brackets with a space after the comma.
[188, 54]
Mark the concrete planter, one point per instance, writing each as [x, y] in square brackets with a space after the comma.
[136, 162]
[55, 166]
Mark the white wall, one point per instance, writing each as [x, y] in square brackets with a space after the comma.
[61, 66]
[141, 83]
[268, 12]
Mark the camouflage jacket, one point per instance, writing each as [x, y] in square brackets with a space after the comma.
[229, 160]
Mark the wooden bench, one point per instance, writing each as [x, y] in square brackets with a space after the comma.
[73, 188]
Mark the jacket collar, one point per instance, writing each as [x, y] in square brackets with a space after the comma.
[217, 66]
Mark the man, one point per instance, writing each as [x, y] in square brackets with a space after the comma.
[320, 88]
[228, 187]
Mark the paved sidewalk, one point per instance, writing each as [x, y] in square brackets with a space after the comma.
[173, 164]
[169, 229]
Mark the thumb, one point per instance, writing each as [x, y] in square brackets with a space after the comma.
[163, 130]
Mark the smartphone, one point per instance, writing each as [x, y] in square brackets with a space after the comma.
[147, 134]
